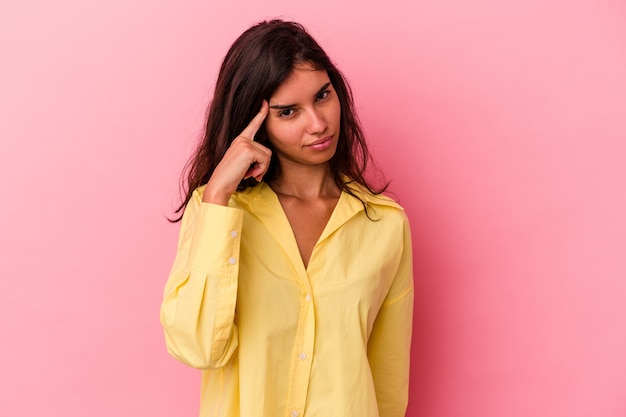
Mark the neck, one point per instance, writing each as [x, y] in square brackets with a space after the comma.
[305, 182]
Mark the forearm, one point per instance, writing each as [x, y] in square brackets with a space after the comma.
[389, 350]
[198, 307]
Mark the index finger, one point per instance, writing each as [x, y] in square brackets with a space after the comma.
[256, 122]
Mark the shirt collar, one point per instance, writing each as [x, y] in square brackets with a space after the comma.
[262, 202]
[262, 192]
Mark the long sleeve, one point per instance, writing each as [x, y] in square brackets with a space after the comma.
[198, 309]
[389, 344]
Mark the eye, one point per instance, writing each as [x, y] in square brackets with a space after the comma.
[321, 96]
[286, 113]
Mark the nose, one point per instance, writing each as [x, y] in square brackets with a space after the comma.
[317, 122]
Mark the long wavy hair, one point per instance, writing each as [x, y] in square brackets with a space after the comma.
[254, 67]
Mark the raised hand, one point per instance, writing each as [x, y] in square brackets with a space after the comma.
[244, 158]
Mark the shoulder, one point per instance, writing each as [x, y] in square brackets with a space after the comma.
[196, 196]
[239, 199]
[197, 208]
[373, 200]
[380, 210]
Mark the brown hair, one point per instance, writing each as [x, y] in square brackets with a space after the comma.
[256, 64]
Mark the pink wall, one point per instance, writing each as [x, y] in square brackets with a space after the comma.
[502, 125]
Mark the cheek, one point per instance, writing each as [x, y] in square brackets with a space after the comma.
[281, 133]
[336, 112]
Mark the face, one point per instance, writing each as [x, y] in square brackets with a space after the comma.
[304, 118]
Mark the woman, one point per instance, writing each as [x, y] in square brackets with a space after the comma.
[292, 285]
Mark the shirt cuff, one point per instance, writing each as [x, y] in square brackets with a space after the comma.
[216, 239]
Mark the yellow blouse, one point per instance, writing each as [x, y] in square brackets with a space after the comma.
[277, 339]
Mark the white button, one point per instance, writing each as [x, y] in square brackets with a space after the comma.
[232, 261]
[302, 356]
[308, 297]
[233, 234]
[294, 413]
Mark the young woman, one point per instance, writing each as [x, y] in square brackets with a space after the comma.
[292, 285]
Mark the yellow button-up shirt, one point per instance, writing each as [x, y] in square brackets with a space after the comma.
[277, 339]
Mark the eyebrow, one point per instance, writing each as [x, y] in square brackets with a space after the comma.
[289, 106]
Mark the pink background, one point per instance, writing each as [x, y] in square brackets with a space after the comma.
[501, 124]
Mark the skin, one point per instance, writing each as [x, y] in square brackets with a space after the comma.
[302, 121]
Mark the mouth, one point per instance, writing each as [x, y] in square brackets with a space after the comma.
[320, 144]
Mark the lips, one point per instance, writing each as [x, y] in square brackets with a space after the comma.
[321, 144]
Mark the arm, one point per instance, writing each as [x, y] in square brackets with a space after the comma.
[389, 344]
[198, 306]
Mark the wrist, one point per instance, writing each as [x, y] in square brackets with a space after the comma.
[213, 196]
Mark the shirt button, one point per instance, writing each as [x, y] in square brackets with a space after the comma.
[294, 413]
[233, 234]
[302, 356]
[308, 297]
[232, 261]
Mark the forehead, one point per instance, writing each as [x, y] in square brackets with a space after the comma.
[303, 83]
